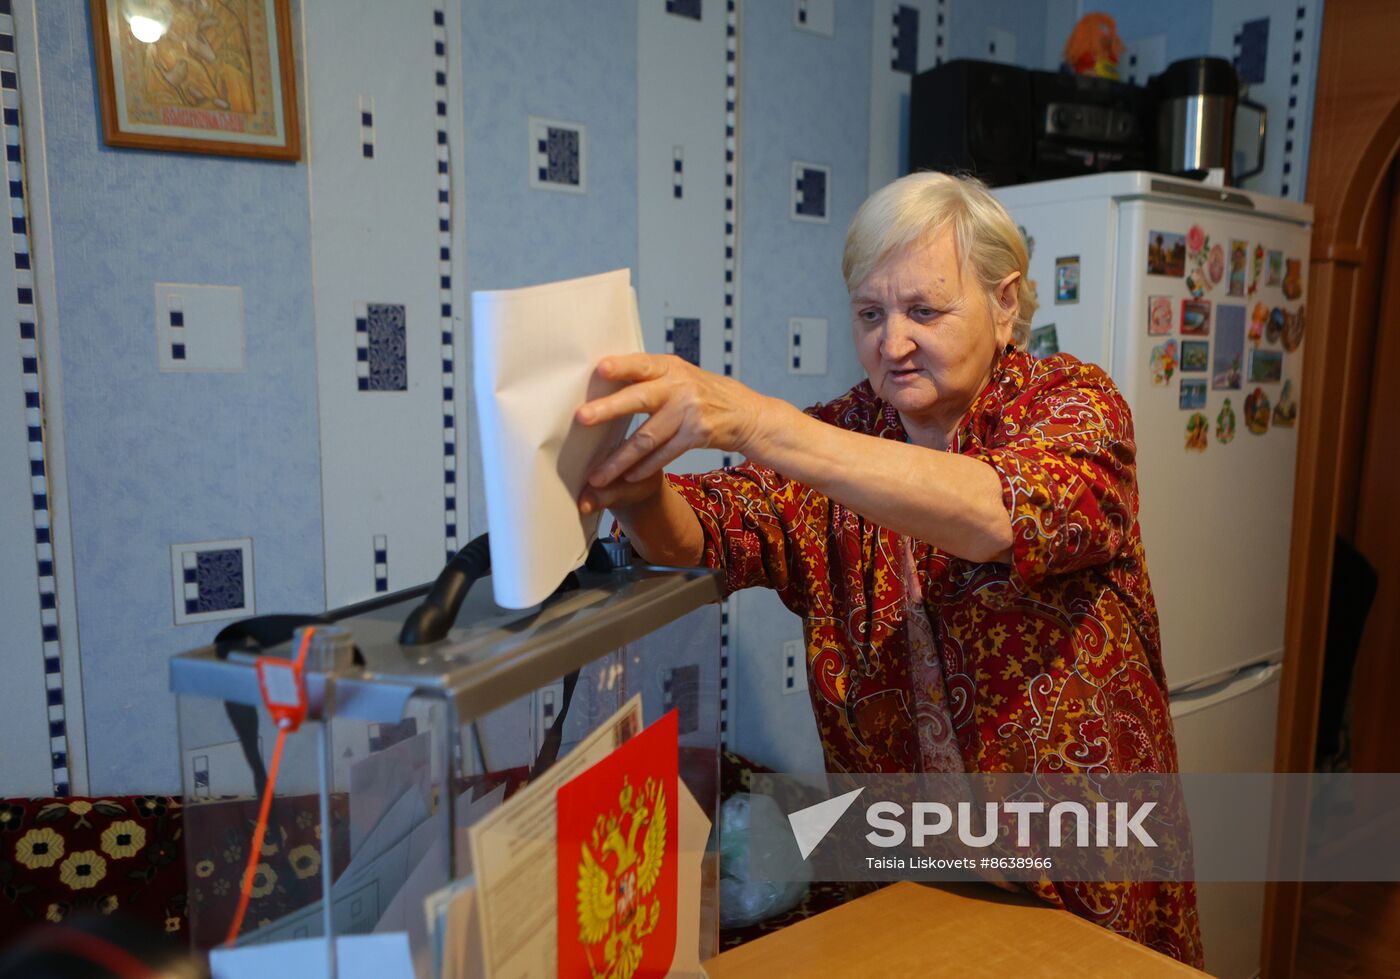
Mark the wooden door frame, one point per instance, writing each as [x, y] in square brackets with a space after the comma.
[1335, 388]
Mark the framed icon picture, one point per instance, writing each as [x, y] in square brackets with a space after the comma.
[194, 77]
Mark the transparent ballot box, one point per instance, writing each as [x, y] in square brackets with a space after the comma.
[406, 745]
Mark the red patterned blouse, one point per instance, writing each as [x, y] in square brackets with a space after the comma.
[1052, 663]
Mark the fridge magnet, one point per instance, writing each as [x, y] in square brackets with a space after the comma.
[1159, 316]
[1265, 366]
[1258, 316]
[1193, 395]
[1196, 432]
[1256, 411]
[1256, 268]
[1227, 369]
[1197, 243]
[1273, 330]
[1197, 282]
[1067, 279]
[1293, 278]
[1239, 257]
[1163, 362]
[1044, 342]
[1286, 411]
[1275, 275]
[1215, 265]
[1225, 423]
[1293, 330]
[1166, 254]
[1195, 357]
[1195, 317]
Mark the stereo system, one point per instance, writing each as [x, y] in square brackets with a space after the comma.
[1010, 125]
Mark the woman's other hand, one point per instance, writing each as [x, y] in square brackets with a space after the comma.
[689, 408]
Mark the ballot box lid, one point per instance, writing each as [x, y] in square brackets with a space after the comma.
[490, 657]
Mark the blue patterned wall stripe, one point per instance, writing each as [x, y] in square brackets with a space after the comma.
[1295, 70]
[731, 306]
[444, 231]
[31, 368]
[367, 126]
[904, 41]
[381, 563]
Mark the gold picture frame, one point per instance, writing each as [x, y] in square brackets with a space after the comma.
[211, 76]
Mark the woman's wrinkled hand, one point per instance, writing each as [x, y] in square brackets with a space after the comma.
[689, 408]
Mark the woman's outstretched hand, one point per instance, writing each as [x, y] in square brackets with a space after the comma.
[689, 408]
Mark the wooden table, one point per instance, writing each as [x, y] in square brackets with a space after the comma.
[967, 930]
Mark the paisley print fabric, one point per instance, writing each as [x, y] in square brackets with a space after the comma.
[1050, 663]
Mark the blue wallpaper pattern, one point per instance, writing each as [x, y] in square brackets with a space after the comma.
[556, 59]
[386, 332]
[218, 575]
[31, 371]
[141, 480]
[447, 320]
[141, 477]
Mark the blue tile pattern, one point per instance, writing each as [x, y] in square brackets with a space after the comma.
[683, 338]
[731, 307]
[387, 337]
[367, 127]
[684, 8]
[940, 38]
[811, 193]
[561, 151]
[1252, 50]
[31, 367]
[1294, 87]
[219, 578]
[680, 689]
[904, 54]
[381, 563]
[447, 326]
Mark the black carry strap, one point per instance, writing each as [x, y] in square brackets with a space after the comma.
[426, 623]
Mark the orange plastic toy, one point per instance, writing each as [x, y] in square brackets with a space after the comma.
[1093, 47]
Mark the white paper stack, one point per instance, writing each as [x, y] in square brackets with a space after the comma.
[535, 353]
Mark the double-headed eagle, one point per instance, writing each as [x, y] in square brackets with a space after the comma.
[615, 879]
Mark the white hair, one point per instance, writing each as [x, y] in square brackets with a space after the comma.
[913, 207]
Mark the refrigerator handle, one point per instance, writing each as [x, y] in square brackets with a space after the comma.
[1240, 682]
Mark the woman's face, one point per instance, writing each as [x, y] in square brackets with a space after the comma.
[927, 338]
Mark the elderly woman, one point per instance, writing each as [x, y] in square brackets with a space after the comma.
[958, 532]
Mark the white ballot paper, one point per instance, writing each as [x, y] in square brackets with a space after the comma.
[535, 350]
[514, 857]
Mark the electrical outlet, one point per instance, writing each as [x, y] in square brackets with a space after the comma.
[794, 666]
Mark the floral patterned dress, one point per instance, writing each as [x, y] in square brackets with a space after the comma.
[1050, 663]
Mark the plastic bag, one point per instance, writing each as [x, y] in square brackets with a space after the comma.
[743, 899]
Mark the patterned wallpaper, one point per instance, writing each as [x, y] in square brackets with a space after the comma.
[264, 365]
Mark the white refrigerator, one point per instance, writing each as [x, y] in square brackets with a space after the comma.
[1192, 298]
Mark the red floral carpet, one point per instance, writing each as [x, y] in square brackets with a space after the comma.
[60, 856]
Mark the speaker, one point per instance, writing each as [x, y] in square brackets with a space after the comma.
[973, 117]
